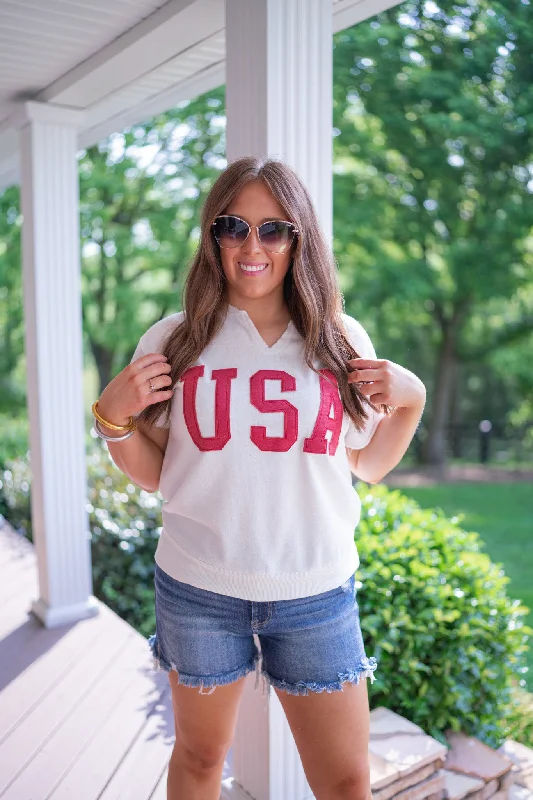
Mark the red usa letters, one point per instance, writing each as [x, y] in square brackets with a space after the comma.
[316, 443]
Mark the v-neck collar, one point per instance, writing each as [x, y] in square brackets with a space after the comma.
[286, 336]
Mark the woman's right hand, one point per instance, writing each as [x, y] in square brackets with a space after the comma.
[129, 392]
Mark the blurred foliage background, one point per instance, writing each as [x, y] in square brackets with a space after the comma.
[432, 180]
[432, 123]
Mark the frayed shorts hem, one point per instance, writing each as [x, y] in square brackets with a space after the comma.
[205, 682]
[305, 687]
[366, 670]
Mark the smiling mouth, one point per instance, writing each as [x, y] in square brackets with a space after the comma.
[252, 269]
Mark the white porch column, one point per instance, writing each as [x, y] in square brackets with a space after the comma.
[279, 93]
[53, 332]
[279, 103]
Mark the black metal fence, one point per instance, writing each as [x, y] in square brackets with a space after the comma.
[486, 442]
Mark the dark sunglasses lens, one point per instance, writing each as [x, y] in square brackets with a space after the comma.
[276, 236]
[230, 231]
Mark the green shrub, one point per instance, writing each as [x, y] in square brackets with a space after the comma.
[520, 717]
[125, 528]
[15, 485]
[450, 643]
[14, 437]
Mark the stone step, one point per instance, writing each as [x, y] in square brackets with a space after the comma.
[402, 756]
[408, 764]
[468, 756]
[522, 760]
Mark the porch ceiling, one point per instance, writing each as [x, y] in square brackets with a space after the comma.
[119, 61]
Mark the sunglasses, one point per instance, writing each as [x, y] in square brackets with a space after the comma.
[275, 235]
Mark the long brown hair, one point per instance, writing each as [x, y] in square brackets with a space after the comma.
[310, 288]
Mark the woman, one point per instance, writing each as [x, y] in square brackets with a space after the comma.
[277, 397]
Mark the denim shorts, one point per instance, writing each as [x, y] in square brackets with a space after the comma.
[310, 644]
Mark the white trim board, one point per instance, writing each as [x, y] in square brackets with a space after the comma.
[181, 28]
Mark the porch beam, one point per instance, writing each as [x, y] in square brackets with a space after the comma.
[175, 27]
[347, 12]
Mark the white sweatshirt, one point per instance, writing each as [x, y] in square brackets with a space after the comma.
[259, 504]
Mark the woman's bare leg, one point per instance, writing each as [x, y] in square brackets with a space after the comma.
[205, 727]
[332, 732]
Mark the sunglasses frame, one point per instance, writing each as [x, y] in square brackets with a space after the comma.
[295, 232]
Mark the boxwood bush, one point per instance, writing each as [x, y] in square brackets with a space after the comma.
[434, 611]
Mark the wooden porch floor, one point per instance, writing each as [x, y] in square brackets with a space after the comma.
[82, 713]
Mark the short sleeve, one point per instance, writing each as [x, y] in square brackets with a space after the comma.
[160, 421]
[362, 343]
[138, 353]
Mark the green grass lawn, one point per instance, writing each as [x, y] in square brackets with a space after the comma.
[502, 513]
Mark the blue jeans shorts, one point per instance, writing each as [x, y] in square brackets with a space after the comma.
[310, 644]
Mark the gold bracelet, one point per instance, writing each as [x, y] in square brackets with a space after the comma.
[129, 427]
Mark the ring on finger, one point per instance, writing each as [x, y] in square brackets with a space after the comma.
[152, 387]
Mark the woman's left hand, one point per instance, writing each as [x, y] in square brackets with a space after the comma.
[385, 382]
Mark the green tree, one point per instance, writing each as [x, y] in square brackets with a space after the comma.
[11, 305]
[141, 193]
[432, 110]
